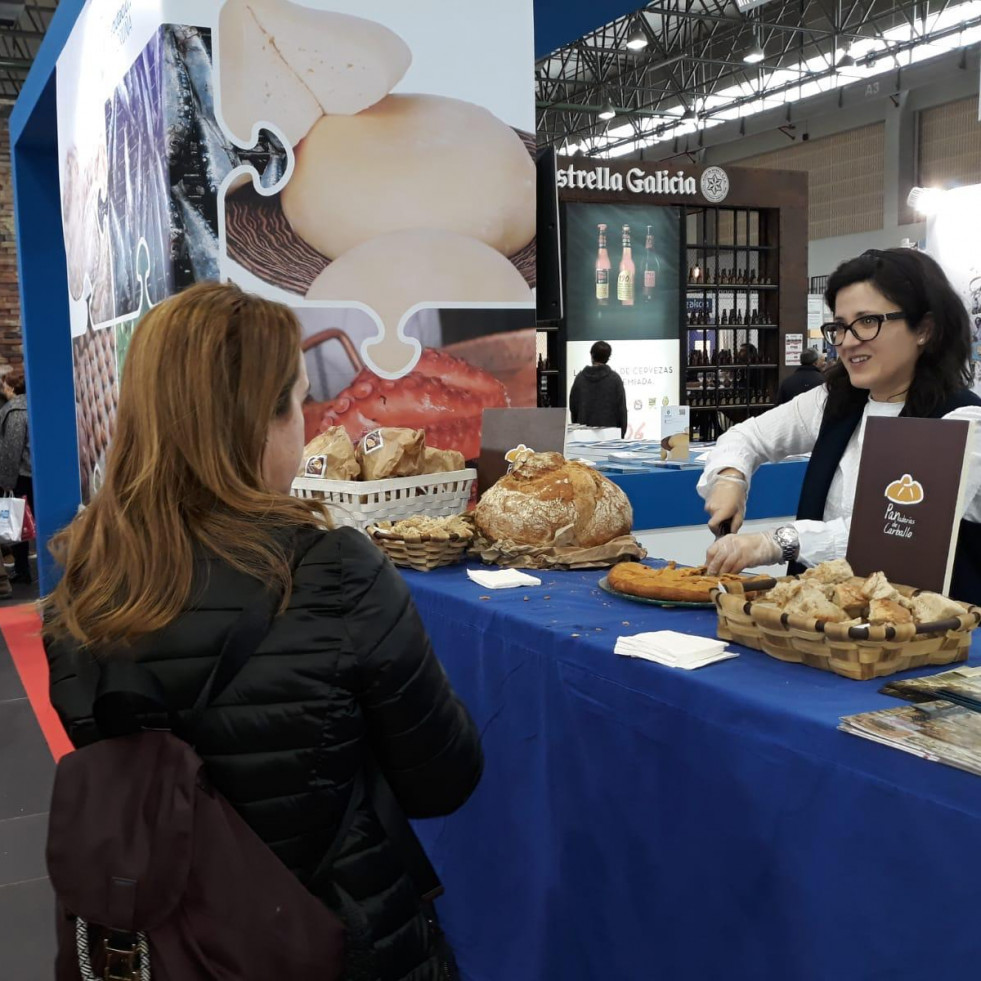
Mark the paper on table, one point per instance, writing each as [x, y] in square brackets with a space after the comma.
[502, 578]
[673, 649]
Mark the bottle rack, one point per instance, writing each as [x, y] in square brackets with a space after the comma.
[731, 330]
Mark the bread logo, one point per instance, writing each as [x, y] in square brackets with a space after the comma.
[372, 441]
[316, 466]
[905, 491]
[517, 455]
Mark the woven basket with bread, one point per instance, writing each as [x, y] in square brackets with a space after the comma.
[423, 542]
[836, 621]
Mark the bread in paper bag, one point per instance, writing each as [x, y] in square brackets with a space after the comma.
[331, 456]
[391, 452]
[441, 461]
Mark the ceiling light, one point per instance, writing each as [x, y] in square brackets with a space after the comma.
[689, 114]
[607, 112]
[753, 54]
[637, 41]
[925, 200]
[845, 61]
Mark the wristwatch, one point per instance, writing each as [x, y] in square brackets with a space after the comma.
[789, 541]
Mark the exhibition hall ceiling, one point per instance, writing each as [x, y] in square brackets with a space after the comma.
[675, 69]
[22, 27]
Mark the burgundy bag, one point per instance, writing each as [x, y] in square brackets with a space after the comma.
[154, 870]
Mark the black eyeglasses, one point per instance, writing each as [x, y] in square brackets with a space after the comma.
[865, 328]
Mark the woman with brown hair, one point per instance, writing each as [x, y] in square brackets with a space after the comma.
[193, 517]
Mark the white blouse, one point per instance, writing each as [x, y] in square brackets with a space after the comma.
[792, 428]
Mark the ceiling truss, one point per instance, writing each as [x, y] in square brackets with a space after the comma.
[693, 62]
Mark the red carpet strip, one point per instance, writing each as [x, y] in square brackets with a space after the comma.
[21, 628]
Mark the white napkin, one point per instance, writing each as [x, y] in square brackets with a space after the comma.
[673, 649]
[502, 578]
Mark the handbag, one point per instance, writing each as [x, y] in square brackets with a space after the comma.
[153, 868]
[12, 519]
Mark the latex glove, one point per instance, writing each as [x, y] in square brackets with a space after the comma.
[733, 553]
[726, 501]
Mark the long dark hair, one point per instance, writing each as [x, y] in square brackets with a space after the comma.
[918, 286]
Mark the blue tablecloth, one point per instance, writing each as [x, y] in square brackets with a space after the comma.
[636, 822]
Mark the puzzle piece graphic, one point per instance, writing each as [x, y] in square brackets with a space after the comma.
[281, 66]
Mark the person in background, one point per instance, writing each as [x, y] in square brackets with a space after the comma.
[15, 461]
[806, 377]
[903, 341]
[194, 518]
[597, 397]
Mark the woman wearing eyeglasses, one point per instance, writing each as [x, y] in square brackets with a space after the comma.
[902, 336]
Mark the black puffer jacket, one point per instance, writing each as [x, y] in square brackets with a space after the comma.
[347, 665]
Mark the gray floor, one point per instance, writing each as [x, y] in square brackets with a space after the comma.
[26, 773]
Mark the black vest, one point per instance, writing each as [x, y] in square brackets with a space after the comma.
[965, 584]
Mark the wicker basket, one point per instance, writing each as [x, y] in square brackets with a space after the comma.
[422, 553]
[856, 652]
[359, 503]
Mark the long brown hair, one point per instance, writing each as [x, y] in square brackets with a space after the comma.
[206, 373]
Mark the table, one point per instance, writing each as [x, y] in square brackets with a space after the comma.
[636, 822]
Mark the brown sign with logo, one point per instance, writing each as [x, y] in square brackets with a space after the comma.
[909, 499]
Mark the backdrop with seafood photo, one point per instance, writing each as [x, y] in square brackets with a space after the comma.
[348, 157]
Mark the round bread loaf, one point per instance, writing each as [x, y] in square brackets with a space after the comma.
[546, 493]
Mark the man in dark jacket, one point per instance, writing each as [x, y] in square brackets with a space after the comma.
[806, 377]
[597, 397]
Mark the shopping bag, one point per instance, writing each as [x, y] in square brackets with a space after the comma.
[11, 519]
[29, 530]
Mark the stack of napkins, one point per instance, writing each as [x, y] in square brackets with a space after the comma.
[674, 650]
[502, 578]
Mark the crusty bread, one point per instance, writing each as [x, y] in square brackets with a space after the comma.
[683, 585]
[932, 608]
[810, 601]
[849, 596]
[830, 573]
[547, 493]
[888, 611]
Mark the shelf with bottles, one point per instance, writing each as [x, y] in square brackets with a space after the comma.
[730, 365]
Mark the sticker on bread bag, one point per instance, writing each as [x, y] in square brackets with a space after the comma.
[316, 465]
[373, 441]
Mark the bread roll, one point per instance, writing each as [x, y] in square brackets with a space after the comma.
[412, 161]
[288, 64]
[547, 493]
